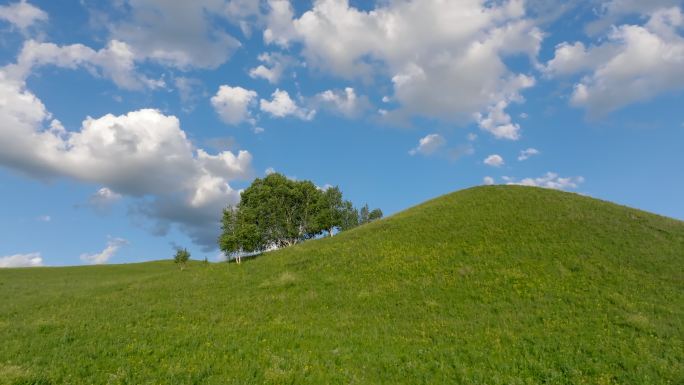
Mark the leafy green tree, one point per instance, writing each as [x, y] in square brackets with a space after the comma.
[364, 214]
[306, 209]
[241, 232]
[330, 210]
[181, 258]
[350, 216]
[277, 212]
[374, 215]
[273, 212]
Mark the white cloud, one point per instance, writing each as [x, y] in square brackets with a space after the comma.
[549, 180]
[342, 102]
[103, 199]
[436, 144]
[488, 180]
[281, 105]
[471, 137]
[633, 63]
[22, 14]
[444, 59]
[498, 122]
[143, 154]
[494, 160]
[44, 218]
[573, 58]
[115, 62]
[261, 71]
[279, 29]
[181, 34]
[611, 11]
[233, 104]
[527, 153]
[113, 245]
[273, 67]
[429, 145]
[269, 171]
[21, 260]
[244, 13]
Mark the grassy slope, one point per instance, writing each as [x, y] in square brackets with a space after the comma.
[490, 285]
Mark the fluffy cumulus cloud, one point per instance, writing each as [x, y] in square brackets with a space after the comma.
[139, 153]
[281, 105]
[181, 34]
[22, 15]
[115, 61]
[633, 63]
[272, 68]
[113, 245]
[143, 154]
[342, 102]
[527, 153]
[444, 60]
[498, 123]
[494, 160]
[488, 181]
[279, 28]
[548, 180]
[429, 145]
[22, 260]
[233, 104]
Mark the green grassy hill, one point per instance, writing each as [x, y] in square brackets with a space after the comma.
[490, 285]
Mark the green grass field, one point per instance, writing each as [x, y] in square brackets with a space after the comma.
[490, 285]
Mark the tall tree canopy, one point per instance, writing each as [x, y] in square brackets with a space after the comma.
[276, 212]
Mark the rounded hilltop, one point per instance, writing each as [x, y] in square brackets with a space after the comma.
[489, 285]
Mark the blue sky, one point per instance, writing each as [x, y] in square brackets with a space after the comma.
[126, 126]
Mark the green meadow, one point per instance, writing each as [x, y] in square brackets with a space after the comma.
[489, 285]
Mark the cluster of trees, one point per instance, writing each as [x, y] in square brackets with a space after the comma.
[277, 212]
